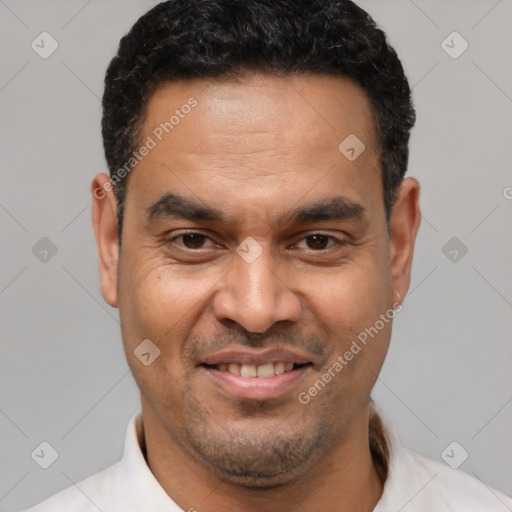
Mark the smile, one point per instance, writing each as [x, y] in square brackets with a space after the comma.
[262, 371]
[257, 375]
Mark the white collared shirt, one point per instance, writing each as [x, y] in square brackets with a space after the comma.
[414, 484]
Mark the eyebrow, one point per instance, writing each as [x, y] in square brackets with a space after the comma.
[173, 205]
[336, 209]
[177, 206]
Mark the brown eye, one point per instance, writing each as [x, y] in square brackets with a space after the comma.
[193, 240]
[317, 242]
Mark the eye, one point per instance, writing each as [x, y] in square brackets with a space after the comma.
[319, 242]
[191, 240]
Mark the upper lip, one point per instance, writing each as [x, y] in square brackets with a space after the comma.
[257, 357]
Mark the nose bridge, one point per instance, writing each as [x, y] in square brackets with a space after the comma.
[254, 296]
[256, 283]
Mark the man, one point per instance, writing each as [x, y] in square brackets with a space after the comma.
[255, 228]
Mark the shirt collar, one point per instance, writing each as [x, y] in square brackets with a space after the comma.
[400, 467]
[142, 489]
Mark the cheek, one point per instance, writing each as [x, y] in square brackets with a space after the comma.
[163, 305]
[353, 297]
[156, 305]
[354, 308]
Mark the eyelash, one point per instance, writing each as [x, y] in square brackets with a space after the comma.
[337, 242]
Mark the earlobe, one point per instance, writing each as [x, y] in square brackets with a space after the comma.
[104, 219]
[403, 226]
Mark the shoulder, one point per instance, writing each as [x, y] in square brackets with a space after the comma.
[423, 484]
[459, 488]
[89, 495]
[416, 483]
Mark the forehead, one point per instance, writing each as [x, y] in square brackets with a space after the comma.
[265, 105]
[255, 137]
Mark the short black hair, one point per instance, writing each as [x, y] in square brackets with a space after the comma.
[186, 39]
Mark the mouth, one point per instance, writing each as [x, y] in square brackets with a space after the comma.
[261, 371]
[257, 376]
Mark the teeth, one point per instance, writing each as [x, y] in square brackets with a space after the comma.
[265, 370]
[234, 368]
[279, 368]
[250, 370]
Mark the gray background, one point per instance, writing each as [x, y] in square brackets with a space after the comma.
[63, 376]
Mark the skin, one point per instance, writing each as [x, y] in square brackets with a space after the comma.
[255, 148]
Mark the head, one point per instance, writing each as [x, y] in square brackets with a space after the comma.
[257, 152]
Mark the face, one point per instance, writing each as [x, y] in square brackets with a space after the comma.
[254, 254]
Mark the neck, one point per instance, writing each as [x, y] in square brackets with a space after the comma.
[345, 479]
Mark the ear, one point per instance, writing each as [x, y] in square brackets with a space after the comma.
[403, 226]
[104, 220]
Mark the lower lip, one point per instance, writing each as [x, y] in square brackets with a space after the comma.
[257, 388]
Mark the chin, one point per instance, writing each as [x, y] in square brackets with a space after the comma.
[256, 474]
[259, 483]
[256, 458]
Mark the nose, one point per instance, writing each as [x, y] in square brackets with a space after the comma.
[255, 296]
